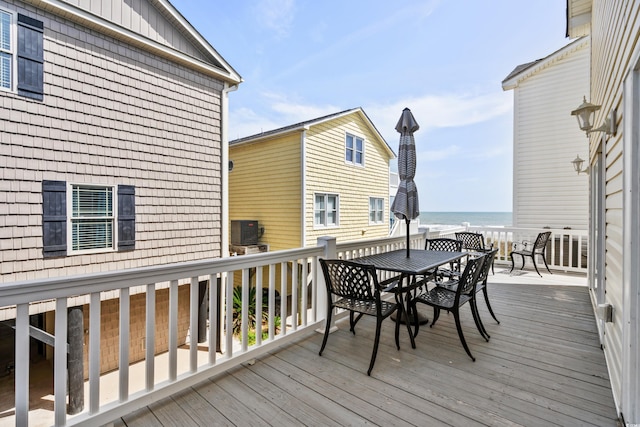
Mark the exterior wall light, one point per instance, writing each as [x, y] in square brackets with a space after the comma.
[584, 113]
[609, 125]
[577, 165]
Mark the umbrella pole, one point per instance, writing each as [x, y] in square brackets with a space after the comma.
[407, 221]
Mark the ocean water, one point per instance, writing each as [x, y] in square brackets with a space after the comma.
[474, 218]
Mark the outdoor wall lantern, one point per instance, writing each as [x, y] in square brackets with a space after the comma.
[577, 165]
[584, 113]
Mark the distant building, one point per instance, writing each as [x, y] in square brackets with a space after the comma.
[547, 192]
[326, 176]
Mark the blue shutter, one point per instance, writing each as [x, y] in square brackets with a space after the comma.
[30, 58]
[126, 217]
[54, 218]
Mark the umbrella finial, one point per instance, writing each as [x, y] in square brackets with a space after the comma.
[407, 122]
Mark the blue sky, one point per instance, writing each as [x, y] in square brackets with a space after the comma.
[444, 59]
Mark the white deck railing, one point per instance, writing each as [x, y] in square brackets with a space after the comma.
[302, 310]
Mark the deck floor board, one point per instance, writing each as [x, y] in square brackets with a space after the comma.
[543, 366]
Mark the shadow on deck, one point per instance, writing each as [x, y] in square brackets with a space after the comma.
[543, 366]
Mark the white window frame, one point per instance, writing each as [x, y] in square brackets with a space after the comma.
[71, 220]
[376, 210]
[12, 51]
[353, 150]
[324, 220]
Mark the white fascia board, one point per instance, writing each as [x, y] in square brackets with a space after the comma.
[65, 9]
[514, 81]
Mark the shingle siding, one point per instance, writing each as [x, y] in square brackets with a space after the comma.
[117, 115]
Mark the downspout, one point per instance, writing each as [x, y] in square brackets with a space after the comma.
[224, 168]
[303, 186]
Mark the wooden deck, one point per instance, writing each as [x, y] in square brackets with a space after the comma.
[542, 367]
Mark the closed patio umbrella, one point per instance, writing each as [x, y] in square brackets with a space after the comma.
[405, 205]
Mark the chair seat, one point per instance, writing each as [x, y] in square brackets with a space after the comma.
[525, 252]
[366, 307]
[441, 297]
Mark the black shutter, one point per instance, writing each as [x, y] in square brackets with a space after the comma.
[126, 217]
[30, 58]
[54, 218]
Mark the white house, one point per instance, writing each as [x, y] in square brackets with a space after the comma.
[547, 192]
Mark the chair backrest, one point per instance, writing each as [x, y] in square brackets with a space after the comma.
[351, 280]
[469, 278]
[444, 244]
[541, 241]
[488, 260]
[471, 240]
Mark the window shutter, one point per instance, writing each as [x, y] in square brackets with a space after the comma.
[54, 218]
[30, 58]
[126, 217]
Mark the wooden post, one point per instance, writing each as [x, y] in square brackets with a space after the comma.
[75, 336]
[203, 310]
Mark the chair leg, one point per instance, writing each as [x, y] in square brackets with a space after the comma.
[436, 314]
[375, 344]
[410, 308]
[486, 300]
[397, 328]
[456, 315]
[533, 258]
[326, 330]
[477, 320]
[544, 258]
[522, 256]
[513, 263]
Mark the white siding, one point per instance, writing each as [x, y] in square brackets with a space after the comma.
[546, 190]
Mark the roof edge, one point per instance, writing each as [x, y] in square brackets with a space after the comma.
[523, 71]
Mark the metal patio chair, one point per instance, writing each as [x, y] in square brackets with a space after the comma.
[441, 298]
[539, 247]
[354, 287]
[449, 245]
[474, 242]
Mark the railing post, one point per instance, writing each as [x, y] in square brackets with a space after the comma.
[330, 251]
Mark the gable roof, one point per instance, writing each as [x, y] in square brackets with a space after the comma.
[202, 56]
[523, 71]
[298, 127]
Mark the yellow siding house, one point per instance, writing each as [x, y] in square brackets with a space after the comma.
[326, 176]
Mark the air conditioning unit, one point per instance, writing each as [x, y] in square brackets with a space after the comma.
[244, 232]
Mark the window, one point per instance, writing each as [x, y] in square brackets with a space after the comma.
[21, 55]
[354, 150]
[87, 218]
[376, 210]
[91, 218]
[6, 49]
[326, 210]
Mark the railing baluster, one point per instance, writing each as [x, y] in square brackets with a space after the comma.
[21, 373]
[213, 318]
[123, 361]
[173, 330]
[259, 307]
[272, 301]
[193, 324]
[229, 315]
[294, 295]
[245, 309]
[94, 352]
[283, 298]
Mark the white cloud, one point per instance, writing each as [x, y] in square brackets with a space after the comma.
[440, 111]
[275, 15]
[283, 111]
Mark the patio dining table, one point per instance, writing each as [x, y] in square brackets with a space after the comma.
[419, 263]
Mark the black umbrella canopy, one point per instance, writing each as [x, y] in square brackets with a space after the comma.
[405, 205]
